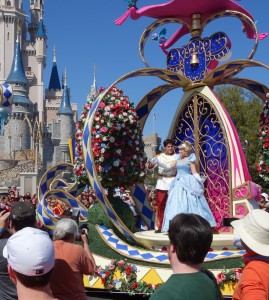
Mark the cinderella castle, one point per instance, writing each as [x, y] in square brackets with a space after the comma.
[35, 131]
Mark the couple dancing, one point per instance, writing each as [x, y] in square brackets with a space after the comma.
[186, 191]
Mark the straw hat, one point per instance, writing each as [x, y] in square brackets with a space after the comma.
[253, 230]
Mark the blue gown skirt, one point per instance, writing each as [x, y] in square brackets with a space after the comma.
[186, 195]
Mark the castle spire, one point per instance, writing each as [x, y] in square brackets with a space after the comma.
[54, 83]
[93, 86]
[17, 74]
[65, 107]
[17, 77]
[41, 33]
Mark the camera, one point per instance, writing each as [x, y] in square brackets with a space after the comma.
[4, 207]
[81, 231]
[226, 222]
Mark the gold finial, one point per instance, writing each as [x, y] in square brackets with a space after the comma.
[196, 27]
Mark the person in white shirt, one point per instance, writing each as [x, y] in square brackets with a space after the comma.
[165, 177]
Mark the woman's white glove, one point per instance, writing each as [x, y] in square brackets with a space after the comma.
[198, 177]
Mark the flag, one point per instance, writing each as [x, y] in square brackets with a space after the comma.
[154, 116]
[72, 149]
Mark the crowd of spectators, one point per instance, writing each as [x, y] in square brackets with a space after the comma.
[32, 266]
[13, 195]
[35, 265]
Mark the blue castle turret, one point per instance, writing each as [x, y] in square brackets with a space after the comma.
[54, 83]
[65, 107]
[65, 114]
[18, 133]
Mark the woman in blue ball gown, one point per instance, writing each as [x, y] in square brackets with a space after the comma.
[186, 193]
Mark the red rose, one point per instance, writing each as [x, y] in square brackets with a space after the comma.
[128, 270]
[135, 285]
[106, 155]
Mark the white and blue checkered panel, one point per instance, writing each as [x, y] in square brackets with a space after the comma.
[142, 205]
[49, 186]
[118, 245]
[6, 95]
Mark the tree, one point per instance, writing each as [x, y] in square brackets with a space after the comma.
[244, 109]
[263, 164]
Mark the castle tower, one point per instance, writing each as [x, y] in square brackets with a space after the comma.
[18, 130]
[53, 93]
[41, 63]
[12, 19]
[36, 10]
[65, 114]
[33, 51]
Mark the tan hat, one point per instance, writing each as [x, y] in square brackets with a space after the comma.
[253, 230]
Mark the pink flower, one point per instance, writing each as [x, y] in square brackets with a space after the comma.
[220, 277]
[103, 129]
[121, 263]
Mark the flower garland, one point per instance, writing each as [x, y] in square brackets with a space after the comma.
[229, 277]
[263, 164]
[127, 281]
[116, 140]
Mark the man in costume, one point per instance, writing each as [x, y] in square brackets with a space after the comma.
[164, 180]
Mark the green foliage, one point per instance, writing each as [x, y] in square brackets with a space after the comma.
[124, 212]
[97, 216]
[263, 164]
[151, 179]
[244, 109]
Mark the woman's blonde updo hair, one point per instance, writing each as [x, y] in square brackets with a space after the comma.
[186, 146]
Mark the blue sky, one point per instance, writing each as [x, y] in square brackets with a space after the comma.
[84, 34]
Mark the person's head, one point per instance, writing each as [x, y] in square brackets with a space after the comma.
[185, 148]
[253, 231]
[190, 238]
[12, 194]
[30, 256]
[27, 196]
[168, 145]
[22, 215]
[66, 230]
[265, 197]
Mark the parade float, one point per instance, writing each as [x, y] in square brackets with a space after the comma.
[109, 149]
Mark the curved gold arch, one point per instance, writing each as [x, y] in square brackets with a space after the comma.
[242, 17]
[26, 120]
[147, 32]
[226, 71]
[260, 90]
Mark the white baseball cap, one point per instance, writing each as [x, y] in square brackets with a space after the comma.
[265, 195]
[30, 252]
[253, 230]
